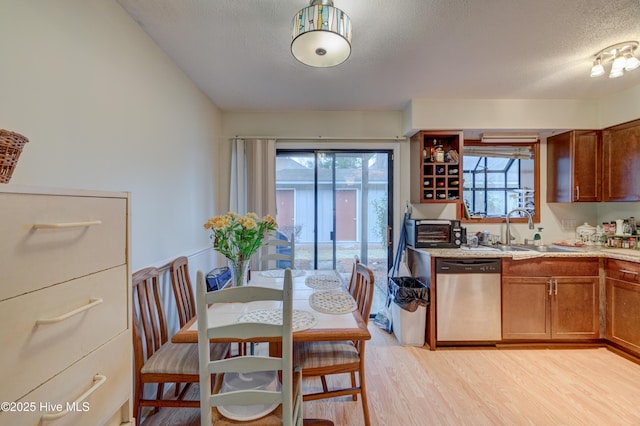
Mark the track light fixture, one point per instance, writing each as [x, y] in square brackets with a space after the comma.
[622, 58]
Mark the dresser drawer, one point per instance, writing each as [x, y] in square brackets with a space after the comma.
[111, 361]
[32, 352]
[48, 239]
[624, 271]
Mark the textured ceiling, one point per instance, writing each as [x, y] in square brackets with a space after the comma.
[238, 51]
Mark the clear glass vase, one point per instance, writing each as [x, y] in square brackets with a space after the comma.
[239, 272]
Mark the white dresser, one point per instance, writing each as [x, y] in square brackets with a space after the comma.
[65, 297]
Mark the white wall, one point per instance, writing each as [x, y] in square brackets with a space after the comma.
[105, 108]
[619, 108]
[459, 114]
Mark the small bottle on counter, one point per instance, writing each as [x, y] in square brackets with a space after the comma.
[537, 238]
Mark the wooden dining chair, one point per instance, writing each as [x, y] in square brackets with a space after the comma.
[278, 249]
[288, 397]
[352, 279]
[329, 358]
[156, 359]
[182, 290]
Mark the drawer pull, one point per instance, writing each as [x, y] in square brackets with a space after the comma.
[626, 271]
[98, 380]
[67, 224]
[91, 304]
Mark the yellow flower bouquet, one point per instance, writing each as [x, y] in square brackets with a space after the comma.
[238, 238]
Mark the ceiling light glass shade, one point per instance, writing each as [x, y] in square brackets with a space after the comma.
[321, 35]
[618, 64]
[632, 63]
[616, 74]
[597, 70]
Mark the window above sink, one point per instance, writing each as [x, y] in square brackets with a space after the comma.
[499, 177]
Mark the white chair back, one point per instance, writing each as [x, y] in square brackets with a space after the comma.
[247, 332]
[278, 250]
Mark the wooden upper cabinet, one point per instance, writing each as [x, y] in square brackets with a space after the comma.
[574, 167]
[621, 160]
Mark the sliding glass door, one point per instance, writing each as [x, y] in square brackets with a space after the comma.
[337, 203]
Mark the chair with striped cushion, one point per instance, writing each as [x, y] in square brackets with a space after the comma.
[328, 358]
[156, 359]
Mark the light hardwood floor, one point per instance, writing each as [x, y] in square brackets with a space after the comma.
[415, 386]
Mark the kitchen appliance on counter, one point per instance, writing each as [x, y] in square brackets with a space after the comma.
[434, 233]
[468, 301]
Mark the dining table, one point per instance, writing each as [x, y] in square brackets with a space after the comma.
[323, 310]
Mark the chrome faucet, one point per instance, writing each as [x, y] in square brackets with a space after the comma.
[508, 236]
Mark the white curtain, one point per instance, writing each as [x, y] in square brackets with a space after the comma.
[253, 177]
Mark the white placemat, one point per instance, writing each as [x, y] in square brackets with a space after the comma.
[302, 320]
[332, 302]
[279, 273]
[322, 282]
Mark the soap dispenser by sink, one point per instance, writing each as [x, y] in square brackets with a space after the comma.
[537, 238]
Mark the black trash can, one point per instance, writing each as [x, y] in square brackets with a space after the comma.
[217, 278]
[409, 297]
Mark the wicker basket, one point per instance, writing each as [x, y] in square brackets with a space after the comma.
[10, 148]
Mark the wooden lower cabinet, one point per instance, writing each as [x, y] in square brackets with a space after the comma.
[550, 298]
[623, 304]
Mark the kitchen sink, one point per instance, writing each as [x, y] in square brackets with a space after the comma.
[550, 249]
[530, 247]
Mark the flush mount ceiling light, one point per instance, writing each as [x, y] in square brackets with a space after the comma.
[621, 56]
[321, 35]
[504, 137]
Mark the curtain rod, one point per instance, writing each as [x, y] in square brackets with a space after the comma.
[324, 138]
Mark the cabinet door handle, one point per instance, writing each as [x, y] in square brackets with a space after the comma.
[550, 284]
[67, 224]
[626, 271]
[98, 380]
[91, 304]
[577, 192]
[556, 288]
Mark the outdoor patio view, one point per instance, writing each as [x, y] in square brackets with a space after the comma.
[336, 203]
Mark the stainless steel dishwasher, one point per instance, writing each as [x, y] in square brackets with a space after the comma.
[468, 300]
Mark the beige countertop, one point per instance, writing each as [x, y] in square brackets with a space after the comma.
[487, 252]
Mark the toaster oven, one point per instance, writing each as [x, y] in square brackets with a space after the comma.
[434, 233]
